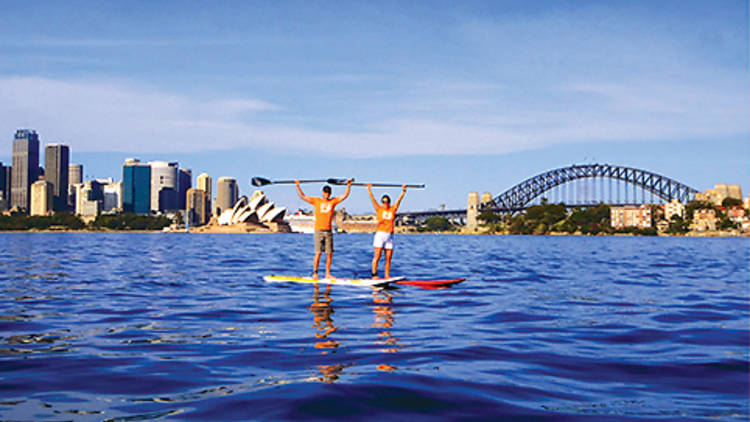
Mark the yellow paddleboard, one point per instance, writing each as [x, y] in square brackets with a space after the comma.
[363, 282]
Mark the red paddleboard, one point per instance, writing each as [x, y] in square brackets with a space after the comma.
[431, 284]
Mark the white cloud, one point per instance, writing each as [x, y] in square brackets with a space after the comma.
[114, 116]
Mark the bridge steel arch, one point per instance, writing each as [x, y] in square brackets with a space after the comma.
[519, 196]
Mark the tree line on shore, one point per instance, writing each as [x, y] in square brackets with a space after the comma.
[67, 221]
[556, 218]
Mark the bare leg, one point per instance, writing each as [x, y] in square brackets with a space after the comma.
[375, 261]
[388, 256]
[316, 262]
[329, 259]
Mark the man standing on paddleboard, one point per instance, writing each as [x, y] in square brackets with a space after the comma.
[386, 215]
[324, 212]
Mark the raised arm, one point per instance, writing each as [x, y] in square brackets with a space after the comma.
[400, 197]
[346, 192]
[302, 194]
[372, 197]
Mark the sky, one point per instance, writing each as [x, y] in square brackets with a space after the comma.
[460, 96]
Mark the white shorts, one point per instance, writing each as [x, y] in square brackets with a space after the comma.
[383, 240]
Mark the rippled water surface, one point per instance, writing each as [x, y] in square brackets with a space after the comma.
[182, 327]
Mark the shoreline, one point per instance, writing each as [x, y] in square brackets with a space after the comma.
[716, 234]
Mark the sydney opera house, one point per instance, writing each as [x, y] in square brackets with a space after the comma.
[256, 209]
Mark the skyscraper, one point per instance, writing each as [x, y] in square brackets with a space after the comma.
[185, 183]
[75, 176]
[25, 167]
[226, 193]
[164, 178]
[5, 172]
[197, 207]
[136, 187]
[56, 160]
[203, 183]
[42, 198]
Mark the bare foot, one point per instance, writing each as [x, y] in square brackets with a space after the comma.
[329, 276]
[314, 275]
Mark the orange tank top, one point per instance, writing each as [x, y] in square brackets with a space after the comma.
[386, 218]
[324, 211]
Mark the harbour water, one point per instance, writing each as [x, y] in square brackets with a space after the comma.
[182, 327]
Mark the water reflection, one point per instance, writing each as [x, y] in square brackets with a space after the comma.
[322, 310]
[384, 320]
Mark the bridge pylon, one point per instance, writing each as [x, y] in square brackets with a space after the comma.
[472, 211]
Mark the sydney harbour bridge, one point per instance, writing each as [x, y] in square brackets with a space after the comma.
[579, 185]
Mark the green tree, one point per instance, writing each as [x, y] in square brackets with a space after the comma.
[437, 224]
[731, 202]
[488, 217]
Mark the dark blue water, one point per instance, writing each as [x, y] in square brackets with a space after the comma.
[182, 327]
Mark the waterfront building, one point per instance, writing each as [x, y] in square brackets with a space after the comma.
[75, 176]
[674, 207]
[736, 214]
[197, 207]
[630, 216]
[56, 160]
[185, 182]
[227, 193]
[25, 168]
[112, 193]
[87, 203]
[5, 175]
[136, 187]
[164, 177]
[719, 193]
[42, 198]
[704, 219]
[203, 182]
[746, 203]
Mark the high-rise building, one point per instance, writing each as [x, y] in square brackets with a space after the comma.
[226, 193]
[56, 160]
[197, 207]
[112, 196]
[5, 172]
[185, 182]
[136, 187]
[203, 182]
[42, 198]
[87, 202]
[164, 177]
[75, 176]
[25, 167]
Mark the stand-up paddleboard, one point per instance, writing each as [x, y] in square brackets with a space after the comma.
[431, 284]
[362, 282]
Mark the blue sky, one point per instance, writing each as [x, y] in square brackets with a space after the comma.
[461, 97]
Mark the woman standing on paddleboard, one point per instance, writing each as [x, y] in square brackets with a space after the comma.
[386, 215]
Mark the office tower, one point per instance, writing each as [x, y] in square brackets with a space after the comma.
[56, 160]
[75, 176]
[4, 186]
[25, 167]
[197, 207]
[87, 203]
[226, 194]
[163, 177]
[136, 187]
[112, 193]
[42, 197]
[203, 183]
[185, 183]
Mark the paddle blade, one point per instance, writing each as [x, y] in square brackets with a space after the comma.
[259, 181]
[336, 181]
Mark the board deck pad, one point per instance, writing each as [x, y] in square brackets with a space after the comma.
[363, 282]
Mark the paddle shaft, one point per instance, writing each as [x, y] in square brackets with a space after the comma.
[388, 185]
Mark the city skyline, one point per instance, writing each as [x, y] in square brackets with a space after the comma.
[475, 97]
